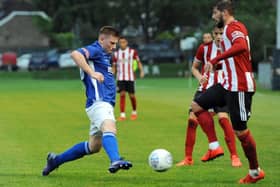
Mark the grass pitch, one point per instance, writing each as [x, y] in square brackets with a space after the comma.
[38, 116]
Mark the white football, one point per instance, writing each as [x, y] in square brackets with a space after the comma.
[160, 160]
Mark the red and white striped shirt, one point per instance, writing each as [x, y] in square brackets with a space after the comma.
[239, 74]
[205, 53]
[124, 63]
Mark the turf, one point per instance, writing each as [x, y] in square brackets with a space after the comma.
[38, 116]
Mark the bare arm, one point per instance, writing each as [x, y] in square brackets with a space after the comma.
[195, 71]
[114, 68]
[81, 62]
[140, 66]
[238, 46]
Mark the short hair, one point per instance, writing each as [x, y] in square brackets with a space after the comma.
[122, 37]
[109, 30]
[225, 5]
[206, 33]
[217, 26]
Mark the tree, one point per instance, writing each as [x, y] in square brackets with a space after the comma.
[157, 16]
[260, 19]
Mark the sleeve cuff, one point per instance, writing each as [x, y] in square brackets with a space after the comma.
[84, 52]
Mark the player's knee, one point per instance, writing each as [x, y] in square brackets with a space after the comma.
[192, 116]
[222, 115]
[109, 126]
[131, 95]
[240, 132]
[240, 128]
[122, 93]
[195, 107]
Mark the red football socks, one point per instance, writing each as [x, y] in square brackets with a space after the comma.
[122, 103]
[133, 102]
[249, 147]
[229, 135]
[207, 124]
[190, 137]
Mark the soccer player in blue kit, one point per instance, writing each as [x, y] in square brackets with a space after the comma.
[96, 74]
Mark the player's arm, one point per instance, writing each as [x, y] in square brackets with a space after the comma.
[114, 68]
[199, 57]
[239, 45]
[195, 71]
[81, 62]
[140, 66]
[114, 64]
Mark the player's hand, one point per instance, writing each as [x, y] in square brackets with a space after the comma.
[208, 67]
[98, 76]
[203, 79]
[142, 74]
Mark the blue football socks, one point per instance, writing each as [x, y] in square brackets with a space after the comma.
[110, 144]
[77, 151]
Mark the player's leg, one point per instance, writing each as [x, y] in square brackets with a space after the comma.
[228, 135]
[104, 120]
[213, 96]
[192, 124]
[79, 150]
[109, 140]
[122, 91]
[131, 91]
[239, 104]
[110, 145]
[190, 136]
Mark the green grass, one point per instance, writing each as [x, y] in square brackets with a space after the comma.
[38, 116]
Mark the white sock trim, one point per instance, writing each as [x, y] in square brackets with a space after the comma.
[122, 114]
[87, 148]
[214, 145]
[108, 134]
[254, 172]
[134, 112]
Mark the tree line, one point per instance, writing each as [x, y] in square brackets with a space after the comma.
[79, 20]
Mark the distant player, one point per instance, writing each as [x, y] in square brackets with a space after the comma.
[124, 63]
[237, 89]
[206, 52]
[97, 76]
[207, 38]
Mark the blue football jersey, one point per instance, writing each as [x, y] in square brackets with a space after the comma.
[99, 60]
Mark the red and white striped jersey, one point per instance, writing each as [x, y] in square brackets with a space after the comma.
[239, 74]
[123, 60]
[205, 53]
